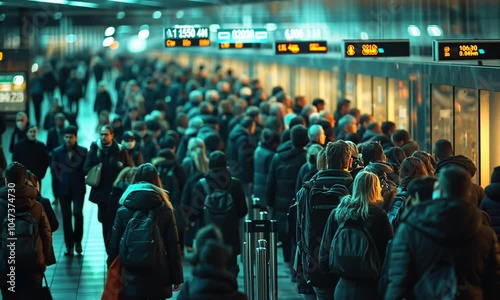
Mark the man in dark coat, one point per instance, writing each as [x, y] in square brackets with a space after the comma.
[21, 197]
[262, 161]
[20, 131]
[69, 178]
[446, 226]
[55, 138]
[218, 177]
[113, 158]
[281, 182]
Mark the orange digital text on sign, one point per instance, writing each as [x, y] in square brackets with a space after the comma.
[225, 45]
[369, 50]
[238, 45]
[186, 43]
[204, 42]
[315, 47]
[171, 43]
[1, 55]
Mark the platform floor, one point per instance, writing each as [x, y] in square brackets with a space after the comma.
[83, 277]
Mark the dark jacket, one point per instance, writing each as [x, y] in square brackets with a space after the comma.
[25, 200]
[69, 173]
[491, 205]
[163, 166]
[219, 178]
[49, 211]
[262, 163]
[102, 102]
[240, 154]
[281, 182]
[327, 178]
[306, 172]
[445, 223]
[114, 198]
[148, 284]
[33, 155]
[113, 161]
[136, 156]
[55, 138]
[16, 137]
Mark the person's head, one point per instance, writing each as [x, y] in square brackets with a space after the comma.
[319, 103]
[32, 180]
[312, 154]
[70, 134]
[411, 168]
[148, 173]
[32, 133]
[197, 152]
[128, 140]
[195, 97]
[338, 155]
[374, 127]
[15, 173]
[366, 191]
[400, 136]
[133, 113]
[453, 182]
[126, 174]
[348, 124]
[372, 152]
[328, 116]
[21, 120]
[209, 247]
[420, 189]
[206, 108]
[181, 120]
[102, 86]
[388, 128]
[313, 118]
[426, 158]
[395, 156]
[298, 135]
[356, 113]
[442, 149]
[307, 111]
[217, 160]
[226, 107]
[269, 138]
[212, 96]
[297, 120]
[317, 134]
[60, 118]
[300, 101]
[321, 160]
[248, 124]
[275, 124]
[254, 113]
[106, 134]
[343, 107]
[365, 119]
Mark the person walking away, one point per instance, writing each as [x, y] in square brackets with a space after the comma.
[20, 130]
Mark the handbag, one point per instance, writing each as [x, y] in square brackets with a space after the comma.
[93, 177]
[45, 293]
[114, 282]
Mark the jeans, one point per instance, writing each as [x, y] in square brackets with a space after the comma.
[324, 293]
[72, 235]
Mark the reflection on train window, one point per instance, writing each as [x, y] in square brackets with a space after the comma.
[398, 103]
[364, 97]
[466, 123]
[379, 93]
[489, 119]
[441, 112]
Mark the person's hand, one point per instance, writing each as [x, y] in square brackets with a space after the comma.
[177, 287]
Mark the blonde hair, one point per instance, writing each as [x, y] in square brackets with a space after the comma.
[366, 191]
[197, 152]
[321, 160]
[126, 174]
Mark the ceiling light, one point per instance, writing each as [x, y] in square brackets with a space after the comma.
[413, 30]
[50, 1]
[157, 15]
[143, 34]
[271, 26]
[83, 4]
[108, 41]
[364, 35]
[135, 45]
[109, 31]
[57, 15]
[120, 15]
[179, 14]
[434, 30]
[34, 68]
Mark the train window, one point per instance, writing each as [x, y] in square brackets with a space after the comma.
[364, 97]
[398, 103]
[489, 119]
[441, 112]
[379, 93]
[466, 124]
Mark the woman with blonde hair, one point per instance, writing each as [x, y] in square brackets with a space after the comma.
[364, 209]
[196, 159]
[165, 274]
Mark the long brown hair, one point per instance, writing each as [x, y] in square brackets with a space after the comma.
[126, 174]
[148, 173]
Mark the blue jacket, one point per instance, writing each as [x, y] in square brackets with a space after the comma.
[68, 173]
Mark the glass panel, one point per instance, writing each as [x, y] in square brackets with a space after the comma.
[466, 124]
[350, 87]
[364, 96]
[490, 135]
[380, 98]
[398, 103]
[441, 112]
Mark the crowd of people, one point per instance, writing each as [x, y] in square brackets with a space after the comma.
[362, 211]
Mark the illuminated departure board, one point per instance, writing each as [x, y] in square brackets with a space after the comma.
[465, 50]
[12, 92]
[375, 48]
[223, 46]
[300, 47]
[243, 35]
[187, 36]
[302, 33]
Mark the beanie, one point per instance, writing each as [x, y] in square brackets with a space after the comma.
[128, 135]
[299, 136]
[217, 159]
[495, 177]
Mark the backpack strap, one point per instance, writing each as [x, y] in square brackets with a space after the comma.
[205, 186]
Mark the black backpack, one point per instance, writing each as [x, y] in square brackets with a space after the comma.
[219, 208]
[353, 252]
[21, 230]
[321, 201]
[142, 246]
[170, 183]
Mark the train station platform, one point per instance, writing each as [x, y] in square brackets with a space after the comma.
[83, 277]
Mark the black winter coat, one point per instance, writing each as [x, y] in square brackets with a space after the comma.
[148, 284]
[262, 164]
[491, 205]
[55, 138]
[49, 212]
[281, 180]
[33, 155]
[240, 154]
[113, 161]
[102, 102]
[68, 173]
[448, 223]
[25, 200]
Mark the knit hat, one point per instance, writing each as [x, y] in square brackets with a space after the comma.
[128, 135]
[495, 177]
[217, 159]
[460, 161]
[299, 136]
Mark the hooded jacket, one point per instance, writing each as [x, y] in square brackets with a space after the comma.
[148, 284]
[25, 201]
[450, 224]
[240, 151]
[262, 163]
[477, 192]
[491, 205]
[164, 165]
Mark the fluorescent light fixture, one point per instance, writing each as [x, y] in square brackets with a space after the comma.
[108, 41]
[364, 35]
[214, 27]
[71, 38]
[109, 31]
[136, 45]
[34, 68]
[51, 1]
[434, 30]
[413, 30]
[143, 34]
[58, 15]
[142, 2]
[144, 27]
[271, 26]
[83, 4]
[157, 15]
[179, 14]
[120, 15]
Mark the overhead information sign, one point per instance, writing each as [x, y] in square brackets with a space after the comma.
[187, 36]
[302, 34]
[12, 92]
[243, 35]
[223, 46]
[465, 49]
[375, 48]
[300, 47]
